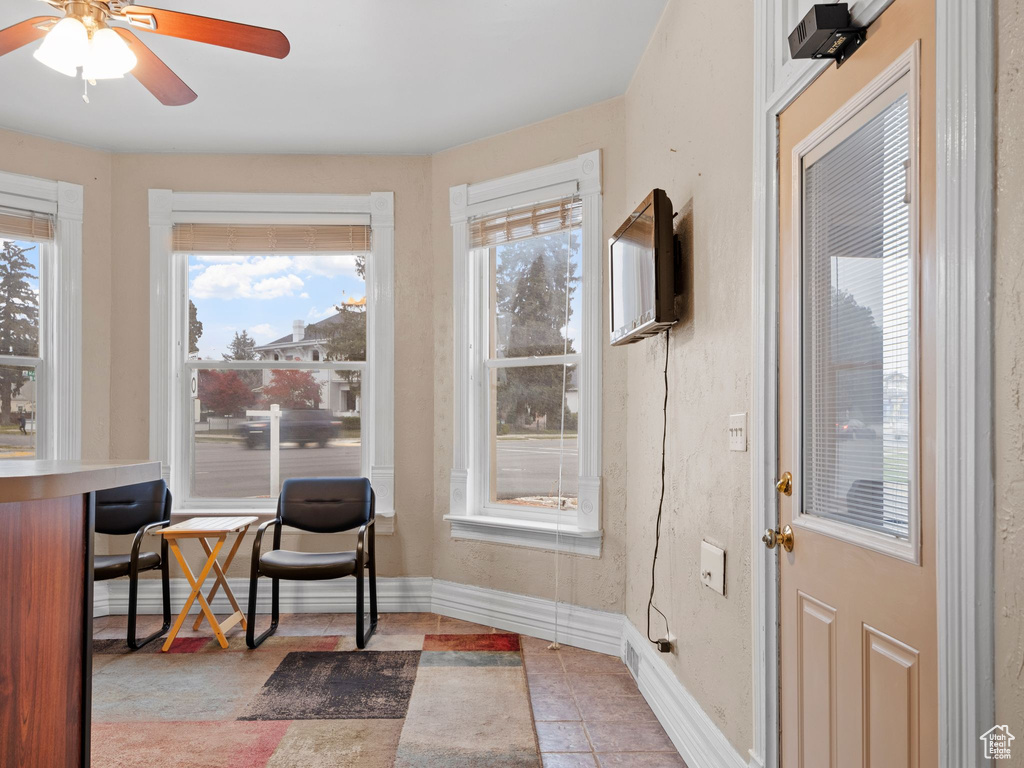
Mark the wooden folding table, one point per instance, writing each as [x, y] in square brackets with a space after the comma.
[204, 528]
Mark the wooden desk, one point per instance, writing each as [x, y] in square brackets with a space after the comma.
[46, 562]
[204, 528]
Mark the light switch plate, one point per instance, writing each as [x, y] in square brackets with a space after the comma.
[712, 567]
[738, 432]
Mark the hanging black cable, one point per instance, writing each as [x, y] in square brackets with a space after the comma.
[664, 644]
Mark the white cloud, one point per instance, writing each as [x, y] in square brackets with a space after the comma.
[315, 314]
[303, 295]
[234, 280]
[275, 287]
[335, 265]
[264, 332]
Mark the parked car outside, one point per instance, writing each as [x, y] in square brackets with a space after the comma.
[302, 427]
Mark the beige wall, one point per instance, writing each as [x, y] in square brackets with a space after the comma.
[591, 582]
[1009, 369]
[689, 130]
[52, 160]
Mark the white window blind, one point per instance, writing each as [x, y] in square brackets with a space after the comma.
[261, 238]
[16, 224]
[528, 221]
[858, 394]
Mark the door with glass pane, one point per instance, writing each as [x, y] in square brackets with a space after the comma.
[856, 406]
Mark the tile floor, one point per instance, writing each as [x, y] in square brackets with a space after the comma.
[587, 709]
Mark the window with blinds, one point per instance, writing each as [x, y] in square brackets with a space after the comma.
[858, 389]
[261, 238]
[533, 259]
[277, 319]
[25, 225]
[26, 239]
[526, 222]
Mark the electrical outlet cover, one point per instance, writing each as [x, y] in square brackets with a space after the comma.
[712, 567]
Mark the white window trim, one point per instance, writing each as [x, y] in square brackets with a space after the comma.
[59, 399]
[470, 515]
[168, 438]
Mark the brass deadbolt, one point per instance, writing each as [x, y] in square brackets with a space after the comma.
[785, 484]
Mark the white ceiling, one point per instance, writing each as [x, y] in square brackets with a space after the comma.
[363, 76]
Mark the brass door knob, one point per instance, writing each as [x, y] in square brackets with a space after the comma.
[773, 538]
[785, 484]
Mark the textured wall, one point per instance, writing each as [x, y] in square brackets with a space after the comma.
[592, 582]
[408, 551]
[1009, 368]
[46, 159]
[689, 130]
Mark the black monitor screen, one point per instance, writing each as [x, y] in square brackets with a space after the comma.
[633, 287]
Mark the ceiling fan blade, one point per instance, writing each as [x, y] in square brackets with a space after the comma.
[156, 76]
[202, 29]
[13, 38]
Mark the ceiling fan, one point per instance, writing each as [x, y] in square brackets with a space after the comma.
[84, 40]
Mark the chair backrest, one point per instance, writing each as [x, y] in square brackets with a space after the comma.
[326, 504]
[126, 509]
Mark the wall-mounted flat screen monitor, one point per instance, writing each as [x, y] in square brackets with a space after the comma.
[643, 266]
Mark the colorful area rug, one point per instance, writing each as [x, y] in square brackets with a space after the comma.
[451, 701]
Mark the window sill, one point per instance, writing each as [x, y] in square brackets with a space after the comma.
[384, 524]
[526, 533]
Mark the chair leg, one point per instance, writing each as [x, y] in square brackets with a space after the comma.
[165, 577]
[373, 595]
[363, 635]
[133, 602]
[275, 598]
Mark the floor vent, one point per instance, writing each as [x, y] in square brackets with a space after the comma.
[632, 660]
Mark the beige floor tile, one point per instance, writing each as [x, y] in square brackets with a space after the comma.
[562, 737]
[548, 707]
[534, 645]
[607, 685]
[543, 663]
[628, 737]
[640, 760]
[587, 663]
[549, 683]
[569, 760]
[596, 708]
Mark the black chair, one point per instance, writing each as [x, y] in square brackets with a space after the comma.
[318, 505]
[135, 509]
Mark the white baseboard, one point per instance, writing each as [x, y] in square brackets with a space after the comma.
[698, 739]
[583, 627]
[399, 595]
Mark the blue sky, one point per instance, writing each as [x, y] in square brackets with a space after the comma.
[265, 294]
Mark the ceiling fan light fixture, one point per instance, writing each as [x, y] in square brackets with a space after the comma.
[109, 56]
[65, 46]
